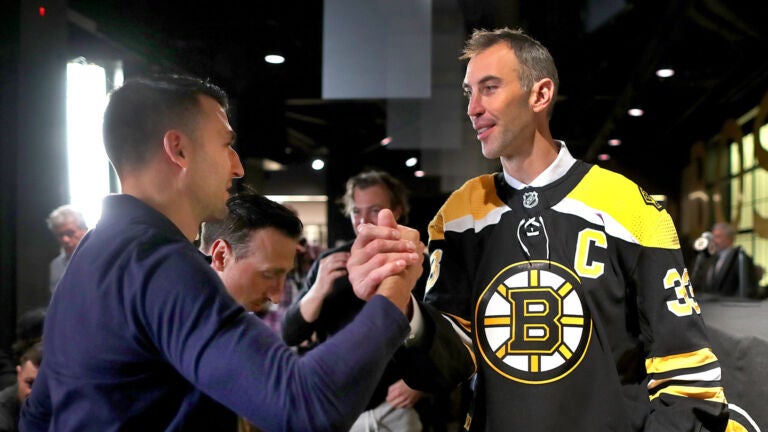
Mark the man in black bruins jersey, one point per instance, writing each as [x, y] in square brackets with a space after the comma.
[557, 290]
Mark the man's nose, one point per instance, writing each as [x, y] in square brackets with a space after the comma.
[237, 166]
[474, 106]
[369, 218]
[275, 292]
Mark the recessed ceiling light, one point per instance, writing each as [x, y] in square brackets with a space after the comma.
[318, 164]
[613, 142]
[386, 141]
[603, 157]
[411, 162]
[274, 59]
[635, 112]
[270, 165]
[418, 173]
[665, 73]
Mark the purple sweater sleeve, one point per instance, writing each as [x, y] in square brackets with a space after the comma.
[239, 361]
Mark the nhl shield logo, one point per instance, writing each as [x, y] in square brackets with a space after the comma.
[530, 199]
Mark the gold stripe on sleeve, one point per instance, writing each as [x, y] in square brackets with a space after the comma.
[712, 394]
[680, 361]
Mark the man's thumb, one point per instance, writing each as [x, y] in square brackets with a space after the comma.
[387, 219]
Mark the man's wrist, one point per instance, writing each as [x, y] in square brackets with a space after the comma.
[394, 288]
[416, 324]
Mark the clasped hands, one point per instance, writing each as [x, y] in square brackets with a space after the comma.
[386, 259]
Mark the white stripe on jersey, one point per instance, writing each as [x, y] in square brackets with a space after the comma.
[467, 222]
[710, 375]
[595, 216]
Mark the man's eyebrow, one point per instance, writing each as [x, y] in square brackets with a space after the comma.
[482, 80]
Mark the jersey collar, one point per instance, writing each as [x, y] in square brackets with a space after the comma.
[562, 163]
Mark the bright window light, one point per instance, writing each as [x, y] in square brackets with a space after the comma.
[87, 161]
[119, 76]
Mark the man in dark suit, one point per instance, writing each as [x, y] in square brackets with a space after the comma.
[729, 271]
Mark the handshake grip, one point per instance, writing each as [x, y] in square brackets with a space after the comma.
[398, 287]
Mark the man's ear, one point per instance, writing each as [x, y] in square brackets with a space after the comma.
[541, 96]
[221, 253]
[175, 147]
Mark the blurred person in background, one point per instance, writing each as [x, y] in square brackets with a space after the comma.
[29, 331]
[68, 226]
[253, 250]
[724, 269]
[14, 396]
[328, 303]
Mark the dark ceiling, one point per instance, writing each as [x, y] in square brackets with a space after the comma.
[607, 52]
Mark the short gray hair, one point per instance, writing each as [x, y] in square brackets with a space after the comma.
[64, 214]
[726, 228]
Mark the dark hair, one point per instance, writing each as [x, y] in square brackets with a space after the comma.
[248, 212]
[33, 354]
[29, 330]
[143, 109]
[398, 193]
[536, 62]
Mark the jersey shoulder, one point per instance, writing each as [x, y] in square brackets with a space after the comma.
[474, 205]
[625, 206]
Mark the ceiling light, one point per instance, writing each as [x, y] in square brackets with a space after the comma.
[274, 58]
[411, 162]
[386, 141]
[665, 73]
[318, 164]
[270, 165]
[635, 112]
[419, 173]
[613, 142]
[603, 157]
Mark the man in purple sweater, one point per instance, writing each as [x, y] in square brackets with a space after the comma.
[141, 334]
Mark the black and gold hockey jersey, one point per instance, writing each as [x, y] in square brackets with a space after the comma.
[577, 306]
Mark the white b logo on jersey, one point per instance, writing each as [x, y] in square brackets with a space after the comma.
[532, 324]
